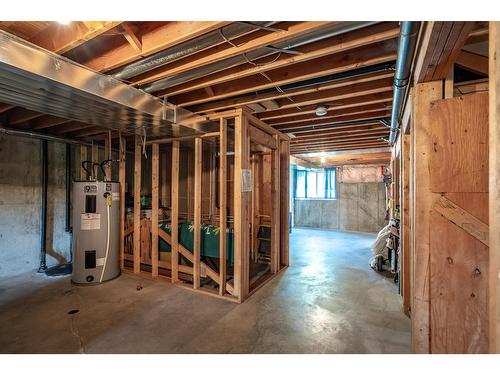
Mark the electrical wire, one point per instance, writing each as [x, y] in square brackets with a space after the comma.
[107, 242]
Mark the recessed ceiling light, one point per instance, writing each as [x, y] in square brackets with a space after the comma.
[321, 110]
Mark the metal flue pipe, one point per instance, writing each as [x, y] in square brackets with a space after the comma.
[43, 208]
[187, 48]
[406, 50]
[334, 29]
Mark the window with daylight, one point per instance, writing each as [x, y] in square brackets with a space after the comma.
[315, 184]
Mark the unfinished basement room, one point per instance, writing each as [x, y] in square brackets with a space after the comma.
[249, 187]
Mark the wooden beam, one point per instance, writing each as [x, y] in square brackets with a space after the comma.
[473, 62]
[63, 38]
[175, 211]
[222, 204]
[364, 56]
[131, 37]
[83, 157]
[198, 152]
[494, 187]
[284, 203]
[107, 156]
[336, 44]
[137, 204]
[261, 137]
[95, 159]
[405, 225]
[293, 31]
[460, 217]
[240, 207]
[166, 36]
[424, 94]
[155, 171]
[122, 180]
[275, 209]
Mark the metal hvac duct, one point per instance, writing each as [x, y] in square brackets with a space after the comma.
[187, 48]
[406, 50]
[42, 81]
[335, 28]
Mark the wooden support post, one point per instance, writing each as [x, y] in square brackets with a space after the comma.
[284, 202]
[174, 221]
[95, 159]
[197, 211]
[405, 223]
[107, 155]
[121, 178]
[240, 209]
[494, 186]
[222, 205]
[155, 171]
[275, 209]
[164, 190]
[137, 204]
[424, 94]
[83, 157]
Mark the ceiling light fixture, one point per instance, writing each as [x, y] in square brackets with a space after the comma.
[321, 110]
[64, 22]
[323, 160]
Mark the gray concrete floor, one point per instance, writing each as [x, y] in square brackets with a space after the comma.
[327, 301]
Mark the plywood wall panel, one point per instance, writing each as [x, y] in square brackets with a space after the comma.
[459, 136]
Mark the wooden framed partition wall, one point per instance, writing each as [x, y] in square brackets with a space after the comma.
[232, 180]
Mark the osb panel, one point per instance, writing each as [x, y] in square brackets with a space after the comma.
[459, 281]
[459, 136]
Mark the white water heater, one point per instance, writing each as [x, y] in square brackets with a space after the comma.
[96, 231]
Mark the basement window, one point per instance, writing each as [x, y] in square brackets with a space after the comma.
[315, 183]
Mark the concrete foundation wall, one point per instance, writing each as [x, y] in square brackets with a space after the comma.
[359, 207]
[20, 202]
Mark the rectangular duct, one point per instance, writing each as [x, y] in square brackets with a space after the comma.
[39, 80]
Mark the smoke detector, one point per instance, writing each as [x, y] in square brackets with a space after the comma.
[321, 110]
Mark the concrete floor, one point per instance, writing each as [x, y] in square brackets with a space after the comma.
[327, 301]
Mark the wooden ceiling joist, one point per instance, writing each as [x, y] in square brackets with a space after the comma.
[332, 95]
[275, 94]
[365, 56]
[473, 62]
[342, 140]
[329, 46]
[168, 35]
[63, 38]
[20, 115]
[441, 43]
[193, 62]
[325, 123]
[331, 114]
[383, 97]
[350, 159]
[338, 148]
[47, 121]
[334, 133]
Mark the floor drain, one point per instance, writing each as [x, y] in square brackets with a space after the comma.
[71, 312]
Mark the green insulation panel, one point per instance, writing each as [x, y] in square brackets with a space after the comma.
[208, 238]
